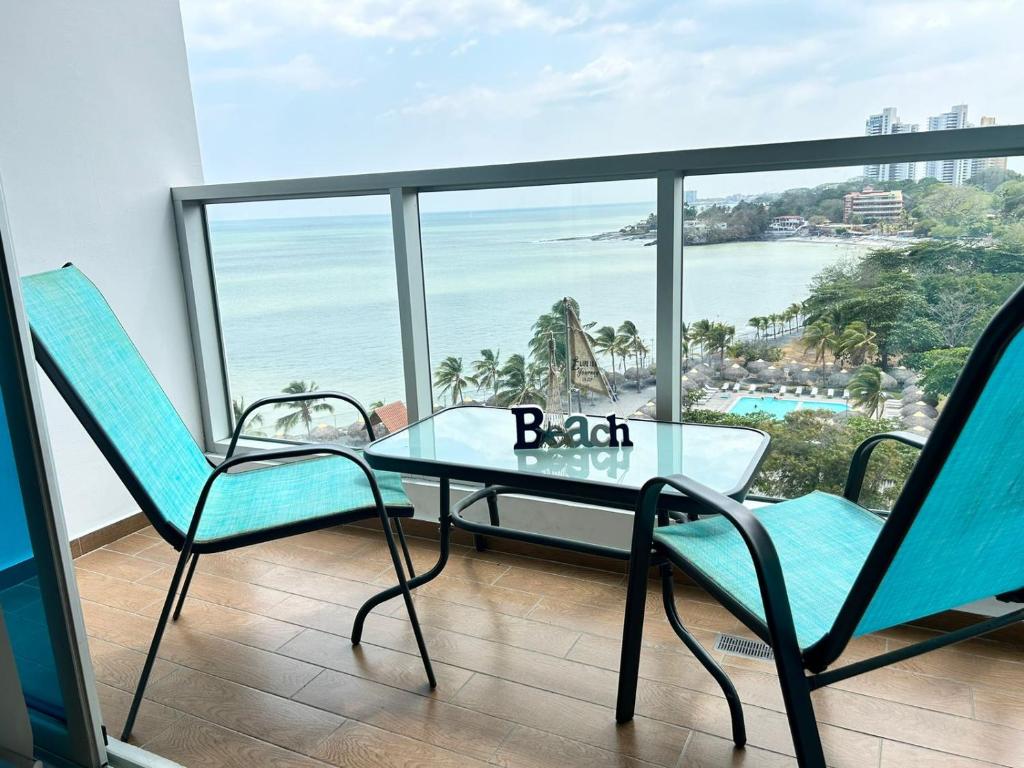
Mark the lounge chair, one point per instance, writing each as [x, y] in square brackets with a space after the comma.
[798, 391]
[814, 392]
[752, 388]
[810, 574]
[846, 394]
[196, 506]
[737, 387]
[830, 393]
[783, 389]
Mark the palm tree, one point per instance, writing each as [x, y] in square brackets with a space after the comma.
[795, 310]
[699, 332]
[487, 370]
[719, 336]
[552, 325]
[755, 323]
[857, 343]
[605, 342]
[518, 383]
[866, 391]
[633, 343]
[304, 409]
[238, 408]
[450, 378]
[819, 337]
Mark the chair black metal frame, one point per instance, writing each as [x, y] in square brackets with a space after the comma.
[777, 628]
[190, 550]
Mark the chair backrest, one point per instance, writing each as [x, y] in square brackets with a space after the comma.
[88, 356]
[956, 534]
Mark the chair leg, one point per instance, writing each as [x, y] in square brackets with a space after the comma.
[739, 731]
[632, 634]
[184, 587]
[796, 694]
[161, 625]
[407, 596]
[405, 547]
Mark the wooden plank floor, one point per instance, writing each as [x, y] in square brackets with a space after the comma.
[259, 670]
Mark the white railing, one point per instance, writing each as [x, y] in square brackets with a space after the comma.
[404, 187]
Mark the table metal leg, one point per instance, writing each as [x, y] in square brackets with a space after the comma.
[479, 540]
[445, 536]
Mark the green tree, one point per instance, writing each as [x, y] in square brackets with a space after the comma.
[819, 337]
[450, 378]
[487, 370]
[632, 341]
[866, 390]
[304, 409]
[956, 211]
[518, 383]
[605, 342]
[699, 333]
[1010, 199]
[941, 369]
[238, 409]
[856, 343]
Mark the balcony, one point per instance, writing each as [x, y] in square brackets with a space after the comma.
[815, 292]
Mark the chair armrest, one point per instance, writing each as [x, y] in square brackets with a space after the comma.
[859, 462]
[772, 584]
[285, 398]
[297, 452]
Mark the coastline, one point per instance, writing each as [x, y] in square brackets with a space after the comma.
[651, 238]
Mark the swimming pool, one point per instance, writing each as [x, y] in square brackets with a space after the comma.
[779, 408]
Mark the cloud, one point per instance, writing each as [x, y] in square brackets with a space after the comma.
[549, 88]
[227, 24]
[300, 72]
[462, 48]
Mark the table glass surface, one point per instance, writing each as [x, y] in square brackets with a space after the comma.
[481, 438]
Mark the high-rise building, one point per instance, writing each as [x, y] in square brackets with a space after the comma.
[689, 196]
[886, 122]
[986, 163]
[954, 172]
[872, 205]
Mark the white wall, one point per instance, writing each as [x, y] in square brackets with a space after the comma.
[96, 124]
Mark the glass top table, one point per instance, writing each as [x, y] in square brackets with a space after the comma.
[474, 444]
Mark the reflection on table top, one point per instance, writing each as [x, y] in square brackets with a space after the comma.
[475, 443]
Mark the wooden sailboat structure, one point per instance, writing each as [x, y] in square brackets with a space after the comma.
[584, 374]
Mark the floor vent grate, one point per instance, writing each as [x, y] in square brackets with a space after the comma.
[741, 646]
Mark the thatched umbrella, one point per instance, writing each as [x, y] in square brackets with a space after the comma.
[686, 383]
[919, 430]
[919, 407]
[771, 373]
[807, 376]
[912, 394]
[756, 366]
[839, 378]
[735, 372]
[697, 375]
[903, 375]
[919, 419]
[888, 382]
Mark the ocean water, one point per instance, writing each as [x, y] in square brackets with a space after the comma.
[316, 298]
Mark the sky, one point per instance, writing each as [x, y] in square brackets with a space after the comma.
[290, 88]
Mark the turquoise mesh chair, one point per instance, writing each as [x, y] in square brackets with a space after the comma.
[809, 574]
[198, 507]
